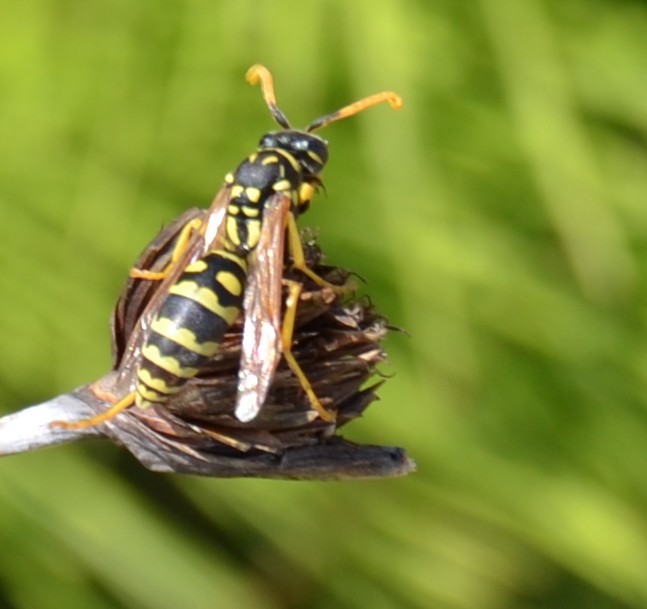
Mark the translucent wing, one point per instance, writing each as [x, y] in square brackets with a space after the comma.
[207, 237]
[261, 348]
[213, 226]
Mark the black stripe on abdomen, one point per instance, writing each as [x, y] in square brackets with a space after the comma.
[190, 324]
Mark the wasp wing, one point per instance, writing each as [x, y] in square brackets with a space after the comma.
[213, 225]
[208, 236]
[261, 348]
[136, 294]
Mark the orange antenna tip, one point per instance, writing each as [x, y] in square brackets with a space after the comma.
[256, 73]
[395, 101]
[259, 73]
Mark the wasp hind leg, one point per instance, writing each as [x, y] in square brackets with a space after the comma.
[178, 250]
[287, 332]
[122, 404]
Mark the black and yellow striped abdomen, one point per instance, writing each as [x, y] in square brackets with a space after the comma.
[187, 331]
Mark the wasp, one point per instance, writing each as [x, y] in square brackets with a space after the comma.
[229, 262]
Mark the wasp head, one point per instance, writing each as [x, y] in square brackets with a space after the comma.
[310, 151]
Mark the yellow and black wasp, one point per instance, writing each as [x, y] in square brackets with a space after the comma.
[230, 261]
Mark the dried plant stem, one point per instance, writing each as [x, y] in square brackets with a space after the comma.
[335, 459]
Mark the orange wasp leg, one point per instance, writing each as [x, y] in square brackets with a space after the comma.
[287, 332]
[178, 250]
[122, 404]
[299, 262]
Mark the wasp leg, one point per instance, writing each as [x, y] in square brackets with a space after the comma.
[100, 418]
[287, 332]
[299, 262]
[178, 250]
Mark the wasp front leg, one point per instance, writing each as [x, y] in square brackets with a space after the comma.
[178, 250]
[299, 262]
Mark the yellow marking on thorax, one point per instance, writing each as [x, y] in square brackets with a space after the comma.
[253, 233]
[206, 297]
[251, 212]
[167, 362]
[253, 193]
[236, 191]
[183, 336]
[282, 185]
[270, 159]
[232, 231]
[229, 178]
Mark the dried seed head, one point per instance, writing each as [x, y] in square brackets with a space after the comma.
[337, 343]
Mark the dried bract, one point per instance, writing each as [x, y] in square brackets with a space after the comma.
[337, 342]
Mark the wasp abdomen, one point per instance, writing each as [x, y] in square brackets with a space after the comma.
[190, 324]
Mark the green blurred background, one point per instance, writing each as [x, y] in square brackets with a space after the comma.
[500, 218]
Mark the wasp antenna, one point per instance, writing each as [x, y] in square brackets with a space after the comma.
[394, 100]
[258, 73]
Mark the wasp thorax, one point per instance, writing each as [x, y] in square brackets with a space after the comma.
[310, 151]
